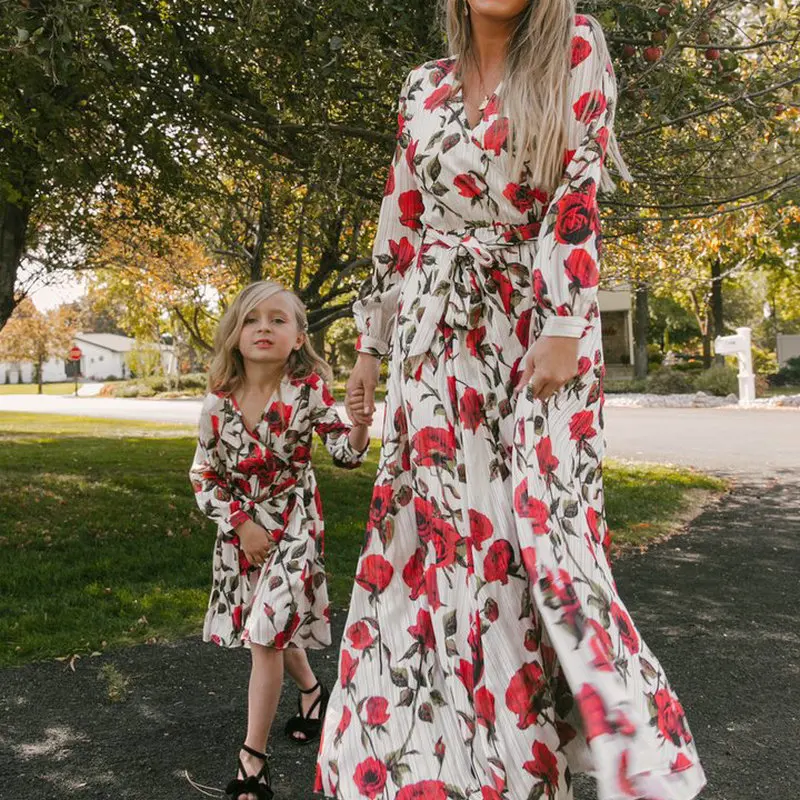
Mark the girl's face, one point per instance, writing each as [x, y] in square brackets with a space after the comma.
[498, 10]
[270, 332]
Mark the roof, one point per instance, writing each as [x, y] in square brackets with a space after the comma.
[108, 341]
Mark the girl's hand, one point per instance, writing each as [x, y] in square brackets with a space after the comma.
[359, 437]
[552, 361]
[255, 542]
[360, 396]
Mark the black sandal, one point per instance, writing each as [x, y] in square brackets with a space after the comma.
[309, 726]
[258, 784]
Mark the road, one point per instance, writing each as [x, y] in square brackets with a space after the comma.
[731, 440]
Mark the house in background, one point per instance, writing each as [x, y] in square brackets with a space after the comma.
[617, 322]
[102, 359]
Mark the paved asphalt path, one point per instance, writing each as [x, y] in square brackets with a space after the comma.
[718, 605]
[744, 441]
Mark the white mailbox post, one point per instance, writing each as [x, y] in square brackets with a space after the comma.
[740, 346]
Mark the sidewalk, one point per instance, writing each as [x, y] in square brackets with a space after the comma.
[717, 605]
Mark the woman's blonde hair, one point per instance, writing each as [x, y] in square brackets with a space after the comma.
[535, 85]
[226, 373]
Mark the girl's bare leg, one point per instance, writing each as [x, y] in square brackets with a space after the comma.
[301, 673]
[266, 679]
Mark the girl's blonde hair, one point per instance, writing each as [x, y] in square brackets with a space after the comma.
[226, 373]
[535, 85]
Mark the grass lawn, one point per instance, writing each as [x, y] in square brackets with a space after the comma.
[101, 543]
[33, 388]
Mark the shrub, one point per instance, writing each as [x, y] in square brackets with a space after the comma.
[764, 362]
[668, 381]
[718, 380]
[624, 387]
[787, 375]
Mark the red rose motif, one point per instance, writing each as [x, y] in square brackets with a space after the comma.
[282, 638]
[475, 338]
[376, 573]
[471, 409]
[423, 630]
[411, 152]
[260, 464]
[480, 528]
[496, 135]
[497, 561]
[681, 763]
[432, 588]
[544, 764]
[465, 674]
[484, 707]
[370, 777]
[600, 644]
[434, 447]
[593, 521]
[467, 185]
[491, 611]
[563, 594]
[347, 669]
[437, 98]
[576, 216]
[380, 505]
[411, 208]
[593, 712]
[402, 254]
[491, 107]
[377, 710]
[628, 633]
[390, 183]
[590, 106]
[670, 717]
[623, 777]
[568, 156]
[424, 790]
[581, 49]
[580, 426]
[531, 508]
[523, 328]
[540, 290]
[523, 694]
[414, 573]
[548, 463]
[528, 558]
[236, 618]
[344, 723]
[360, 635]
[582, 269]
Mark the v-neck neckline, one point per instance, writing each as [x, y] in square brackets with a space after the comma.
[270, 401]
[458, 94]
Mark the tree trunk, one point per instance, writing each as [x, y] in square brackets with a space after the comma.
[13, 226]
[39, 374]
[716, 304]
[641, 325]
[707, 347]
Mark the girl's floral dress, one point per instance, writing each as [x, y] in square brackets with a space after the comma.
[487, 654]
[265, 475]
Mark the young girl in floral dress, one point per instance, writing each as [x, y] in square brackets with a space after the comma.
[487, 654]
[252, 475]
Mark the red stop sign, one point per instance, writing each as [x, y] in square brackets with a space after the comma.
[75, 354]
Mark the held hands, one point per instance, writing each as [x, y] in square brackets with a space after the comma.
[548, 365]
[255, 542]
[360, 392]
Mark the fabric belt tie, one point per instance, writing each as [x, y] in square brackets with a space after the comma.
[463, 268]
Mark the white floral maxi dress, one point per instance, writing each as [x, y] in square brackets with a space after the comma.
[265, 474]
[486, 654]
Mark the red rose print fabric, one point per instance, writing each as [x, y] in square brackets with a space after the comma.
[265, 475]
[484, 612]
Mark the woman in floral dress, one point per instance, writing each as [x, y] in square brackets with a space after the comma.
[487, 653]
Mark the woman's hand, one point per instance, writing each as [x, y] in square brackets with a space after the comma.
[360, 393]
[255, 542]
[548, 365]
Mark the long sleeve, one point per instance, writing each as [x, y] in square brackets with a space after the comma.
[565, 269]
[208, 475]
[333, 432]
[397, 239]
